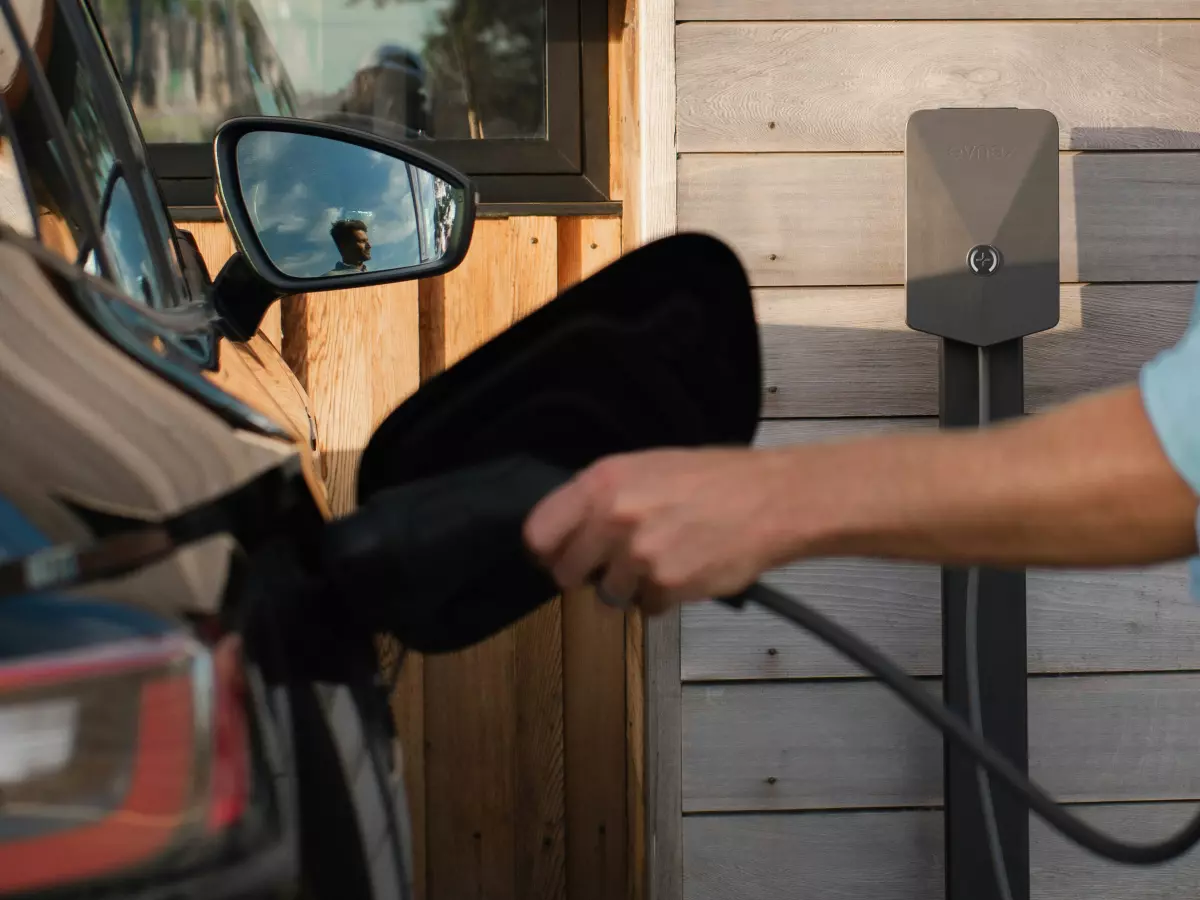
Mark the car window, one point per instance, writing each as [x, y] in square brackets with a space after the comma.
[63, 207]
[189, 66]
[159, 226]
[123, 235]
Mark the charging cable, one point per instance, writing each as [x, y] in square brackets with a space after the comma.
[969, 738]
[995, 848]
[964, 737]
[974, 693]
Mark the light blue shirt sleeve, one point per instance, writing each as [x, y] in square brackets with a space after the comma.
[1170, 386]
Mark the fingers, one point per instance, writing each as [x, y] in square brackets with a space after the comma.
[567, 535]
[553, 521]
[585, 552]
[620, 583]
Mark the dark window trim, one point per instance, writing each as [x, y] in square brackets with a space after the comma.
[571, 166]
[183, 215]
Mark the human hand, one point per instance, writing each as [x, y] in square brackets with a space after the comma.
[664, 527]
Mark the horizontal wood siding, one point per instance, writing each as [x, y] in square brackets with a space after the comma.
[818, 87]
[898, 856]
[847, 351]
[801, 777]
[747, 10]
[789, 746]
[821, 219]
[1126, 621]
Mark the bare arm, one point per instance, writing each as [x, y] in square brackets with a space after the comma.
[1085, 485]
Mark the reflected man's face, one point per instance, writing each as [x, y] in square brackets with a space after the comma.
[360, 246]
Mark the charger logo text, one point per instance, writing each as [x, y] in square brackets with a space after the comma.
[980, 152]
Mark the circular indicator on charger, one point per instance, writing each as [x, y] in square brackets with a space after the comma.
[984, 260]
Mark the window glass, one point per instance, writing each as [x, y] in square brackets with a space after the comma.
[62, 215]
[450, 69]
[128, 250]
[159, 227]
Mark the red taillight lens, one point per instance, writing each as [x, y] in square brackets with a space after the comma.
[231, 740]
[111, 757]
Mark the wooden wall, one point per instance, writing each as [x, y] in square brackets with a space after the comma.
[784, 772]
[515, 751]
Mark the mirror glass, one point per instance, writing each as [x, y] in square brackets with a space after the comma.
[323, 207]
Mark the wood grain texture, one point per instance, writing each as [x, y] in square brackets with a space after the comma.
[899, 10]
[654, 209]
[811, 220]
[664, 758]
[1088, 621]
[852, 87]
[832, 745]
[356, 354]
[361, 359]
[494, 713]
[630, 124]
[593, 643]
[833, 352]
[216, 246]
[898, 856]
[618, 109]
[650, 213]
[635, 754]
[540, 824]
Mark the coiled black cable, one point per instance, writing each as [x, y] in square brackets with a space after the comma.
[933, 711]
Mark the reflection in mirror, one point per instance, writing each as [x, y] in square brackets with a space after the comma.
[323, 207]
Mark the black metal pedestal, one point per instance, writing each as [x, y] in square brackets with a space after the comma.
[1002, 654]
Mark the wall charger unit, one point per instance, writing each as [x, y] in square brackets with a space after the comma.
[983, 273]
[983, 223]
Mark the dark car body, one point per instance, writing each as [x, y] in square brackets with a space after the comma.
[151, 742]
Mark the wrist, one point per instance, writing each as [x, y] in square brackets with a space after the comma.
[865, 497]
[814, 502]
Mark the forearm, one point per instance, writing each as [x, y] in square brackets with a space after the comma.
[1084, 485]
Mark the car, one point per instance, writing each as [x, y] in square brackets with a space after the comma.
[172, 721]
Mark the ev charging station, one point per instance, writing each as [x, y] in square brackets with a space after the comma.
[983, 274]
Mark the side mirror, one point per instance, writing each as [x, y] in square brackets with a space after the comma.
[319, 207]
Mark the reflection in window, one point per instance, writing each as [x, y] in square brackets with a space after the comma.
[62, 217]
[450, 69]
[323, 207]
[125, 241]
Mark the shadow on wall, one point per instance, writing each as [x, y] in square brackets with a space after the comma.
[1136, 223]
[1129, 278]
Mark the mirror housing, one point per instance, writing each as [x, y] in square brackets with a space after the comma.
[335, 177]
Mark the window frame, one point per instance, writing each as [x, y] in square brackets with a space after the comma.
[570, 166]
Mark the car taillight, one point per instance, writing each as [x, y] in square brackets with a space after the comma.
[115, 757]
[231, 740]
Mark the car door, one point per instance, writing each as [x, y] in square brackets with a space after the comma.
[254, 369]
[123, 398]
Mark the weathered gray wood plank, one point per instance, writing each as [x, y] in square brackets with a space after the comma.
[833, 352]
[847, 10]
[815, 219]
[779, 432]
[773, 86]
[664, 755]
[898, 856]
[1127, 621]
[827, 745]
